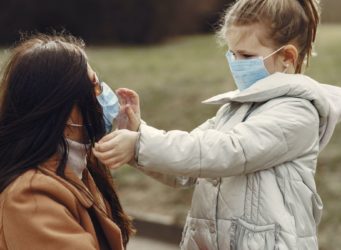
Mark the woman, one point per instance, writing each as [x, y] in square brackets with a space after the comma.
[54, 193]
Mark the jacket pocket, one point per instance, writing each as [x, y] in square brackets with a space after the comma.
[199, 234]
[246, 236]
[317, 208]
[184, 232]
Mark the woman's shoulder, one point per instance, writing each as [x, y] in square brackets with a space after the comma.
[33, 179]
[34, 185]
[40, 208]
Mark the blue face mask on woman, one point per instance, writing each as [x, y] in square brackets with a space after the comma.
[111, 107]
[246, 72]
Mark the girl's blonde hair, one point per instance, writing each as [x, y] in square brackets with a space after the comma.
[287, 21]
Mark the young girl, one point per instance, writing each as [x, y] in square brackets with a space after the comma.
[253, 164]
[53, 193]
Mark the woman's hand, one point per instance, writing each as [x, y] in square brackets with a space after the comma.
[130, 114]
[116, 148]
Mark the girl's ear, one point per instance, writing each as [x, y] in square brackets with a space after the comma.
[290, 55]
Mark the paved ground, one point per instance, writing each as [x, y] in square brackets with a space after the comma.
[138, 243]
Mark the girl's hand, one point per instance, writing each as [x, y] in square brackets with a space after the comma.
[130, 114]
[116, 148]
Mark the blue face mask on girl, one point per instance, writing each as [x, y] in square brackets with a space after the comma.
[246, 72]
[111, 107]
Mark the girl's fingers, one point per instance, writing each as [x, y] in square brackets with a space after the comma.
[129, 97]
[118, 91]
[121, 90]
[124, 100]
[95, 152]
[103, 156]
[115, 166]
[115, 161]
[107, 143]
[108, 137]
[128, 93]
[122, 97]
[134, 119]
[131, 115]
[106, 146]
[98, 155]
[109, 158]
[134, 98]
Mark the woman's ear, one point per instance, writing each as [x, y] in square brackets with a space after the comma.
[290, 56]
[92, 75]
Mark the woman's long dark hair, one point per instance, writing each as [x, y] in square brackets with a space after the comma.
[45, 77]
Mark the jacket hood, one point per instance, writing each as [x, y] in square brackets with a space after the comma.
[325, 98]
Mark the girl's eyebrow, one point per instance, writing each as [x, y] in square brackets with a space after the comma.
[244, 52]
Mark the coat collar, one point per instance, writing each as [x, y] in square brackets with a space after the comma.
[325, 98]
[279, 85]
[85, 197]
[86, 193]
[276, 85]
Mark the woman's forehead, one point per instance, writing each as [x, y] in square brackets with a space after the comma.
[91, 72]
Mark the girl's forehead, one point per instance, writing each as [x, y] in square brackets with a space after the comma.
[251, 37]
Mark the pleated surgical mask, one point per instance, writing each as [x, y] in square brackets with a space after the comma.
[111, 107]
[77, 156]
[246, 72]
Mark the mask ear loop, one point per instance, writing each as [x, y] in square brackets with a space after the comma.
[75, 125]
[72, 124]
[98, 85]
[273, 53]
[286, 68]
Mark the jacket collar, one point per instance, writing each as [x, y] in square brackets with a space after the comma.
[325, 98]
[279, 85]
[276, 85]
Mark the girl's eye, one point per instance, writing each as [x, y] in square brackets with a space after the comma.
[247, 56]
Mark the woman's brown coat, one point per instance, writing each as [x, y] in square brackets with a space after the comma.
[41, 210]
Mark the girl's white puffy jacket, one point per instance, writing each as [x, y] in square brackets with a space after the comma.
[252, 165]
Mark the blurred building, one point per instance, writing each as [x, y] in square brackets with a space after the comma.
[127, 21]
[122, 21]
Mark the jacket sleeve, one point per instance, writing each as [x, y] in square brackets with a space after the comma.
[35, 218]
[279, 134]
[173, 180]
[170, 180]
[333, 94]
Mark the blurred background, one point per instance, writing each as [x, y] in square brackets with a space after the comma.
[120, 21]
[166, 50]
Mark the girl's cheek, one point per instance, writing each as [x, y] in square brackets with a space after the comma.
[270, 65]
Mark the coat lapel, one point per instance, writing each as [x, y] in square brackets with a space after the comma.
[87, 194]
